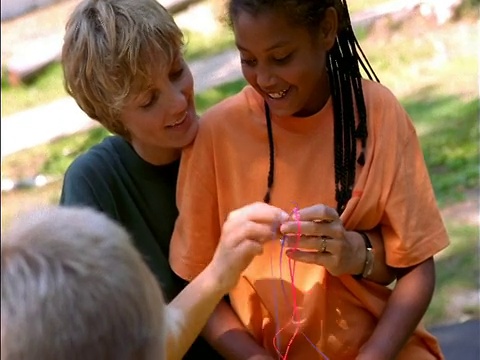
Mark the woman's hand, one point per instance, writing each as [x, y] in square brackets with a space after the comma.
[243, 235]
[324, 241]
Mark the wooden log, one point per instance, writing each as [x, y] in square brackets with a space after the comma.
[37, 54]
[32, 58]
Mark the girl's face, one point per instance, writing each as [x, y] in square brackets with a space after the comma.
[284, 63]
[162, 119]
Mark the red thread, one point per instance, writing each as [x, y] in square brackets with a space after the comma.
[296, 320]
[295, 316]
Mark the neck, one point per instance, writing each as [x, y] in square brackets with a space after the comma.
[157, 155]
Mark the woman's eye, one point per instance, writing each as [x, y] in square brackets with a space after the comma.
[149, 102]
[176, 74]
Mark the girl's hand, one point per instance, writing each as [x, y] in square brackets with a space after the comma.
[243, 235]
[323, 241]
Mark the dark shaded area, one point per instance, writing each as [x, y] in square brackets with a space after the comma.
[459, 341]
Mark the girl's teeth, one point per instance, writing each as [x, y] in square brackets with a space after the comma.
[278, 95]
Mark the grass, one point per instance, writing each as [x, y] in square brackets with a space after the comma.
[199, 46]
[212, 96]
[458, 274]
[419, 67]
[44, 88]
[448, 128]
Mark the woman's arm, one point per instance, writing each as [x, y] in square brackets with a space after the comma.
[405, 308]
[242, 238]
[189, 311]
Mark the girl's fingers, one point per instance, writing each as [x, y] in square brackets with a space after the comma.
[318, 213]
[310, 257]
[310, 228]
[312, 243]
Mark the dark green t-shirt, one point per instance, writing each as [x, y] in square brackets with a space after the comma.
[113, 179]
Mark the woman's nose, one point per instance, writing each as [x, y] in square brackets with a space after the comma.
[178, 101]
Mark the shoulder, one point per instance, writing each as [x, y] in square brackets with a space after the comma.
[97, 168]
[95, 160]
[89, 177]
[387, 117]
[377, 94]
[231, 109]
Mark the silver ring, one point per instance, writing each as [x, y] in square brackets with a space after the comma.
[322, 221]
[324, 245]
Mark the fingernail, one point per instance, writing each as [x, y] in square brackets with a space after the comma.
[284, 216]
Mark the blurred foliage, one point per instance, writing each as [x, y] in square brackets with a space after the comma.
[449, 138]
[468, 7]
[198, 46]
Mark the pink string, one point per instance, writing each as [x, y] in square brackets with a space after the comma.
[296, 320]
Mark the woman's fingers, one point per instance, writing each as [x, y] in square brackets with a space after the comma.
[258, 212]
[257, 222]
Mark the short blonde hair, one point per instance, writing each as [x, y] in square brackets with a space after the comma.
[111, 49]
[74, 287]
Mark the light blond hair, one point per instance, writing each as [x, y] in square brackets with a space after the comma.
[74, 287]
[111, 50]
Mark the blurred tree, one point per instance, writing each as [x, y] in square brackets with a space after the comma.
[219, 8]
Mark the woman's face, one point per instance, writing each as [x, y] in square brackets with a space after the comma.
[284, 63]
[162, 119]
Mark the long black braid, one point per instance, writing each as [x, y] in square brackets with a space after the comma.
[343, 68]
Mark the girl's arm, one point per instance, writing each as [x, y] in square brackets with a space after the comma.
[404, 310]
[226, 334]
[380, 273]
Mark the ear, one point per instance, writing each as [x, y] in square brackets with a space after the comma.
[329, 28]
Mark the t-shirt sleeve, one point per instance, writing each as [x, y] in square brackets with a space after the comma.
[84, 185]
[198, 227]
[412, 226]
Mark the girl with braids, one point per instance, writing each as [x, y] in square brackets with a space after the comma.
[308, 132]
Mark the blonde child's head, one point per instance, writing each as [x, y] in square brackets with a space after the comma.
[74, 287]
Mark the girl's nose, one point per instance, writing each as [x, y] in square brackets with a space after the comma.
[265, 78]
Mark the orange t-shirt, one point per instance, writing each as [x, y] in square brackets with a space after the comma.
[227, 167]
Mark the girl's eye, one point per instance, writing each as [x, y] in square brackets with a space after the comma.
[248, 62]
[282, 59]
